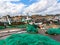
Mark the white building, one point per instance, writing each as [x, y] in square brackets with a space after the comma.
[3, 19]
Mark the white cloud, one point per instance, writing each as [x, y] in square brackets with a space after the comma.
[11, 9]
[43, 7]
[36, 6]
[39, 7]
[15, 8]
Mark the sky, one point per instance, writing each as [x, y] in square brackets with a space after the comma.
[30, 7]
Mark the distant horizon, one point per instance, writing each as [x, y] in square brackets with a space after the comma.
[34, 15]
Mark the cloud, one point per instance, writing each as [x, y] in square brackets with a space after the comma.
[10, 8]
[36, 6]
[55, 9]
[39, 7]
[43, 7]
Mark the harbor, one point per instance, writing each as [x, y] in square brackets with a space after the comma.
[29, 22]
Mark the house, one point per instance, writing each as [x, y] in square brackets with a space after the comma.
[3, 19]
[16, 18]
[57, 16]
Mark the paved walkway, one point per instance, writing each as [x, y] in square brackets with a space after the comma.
[6, 32]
